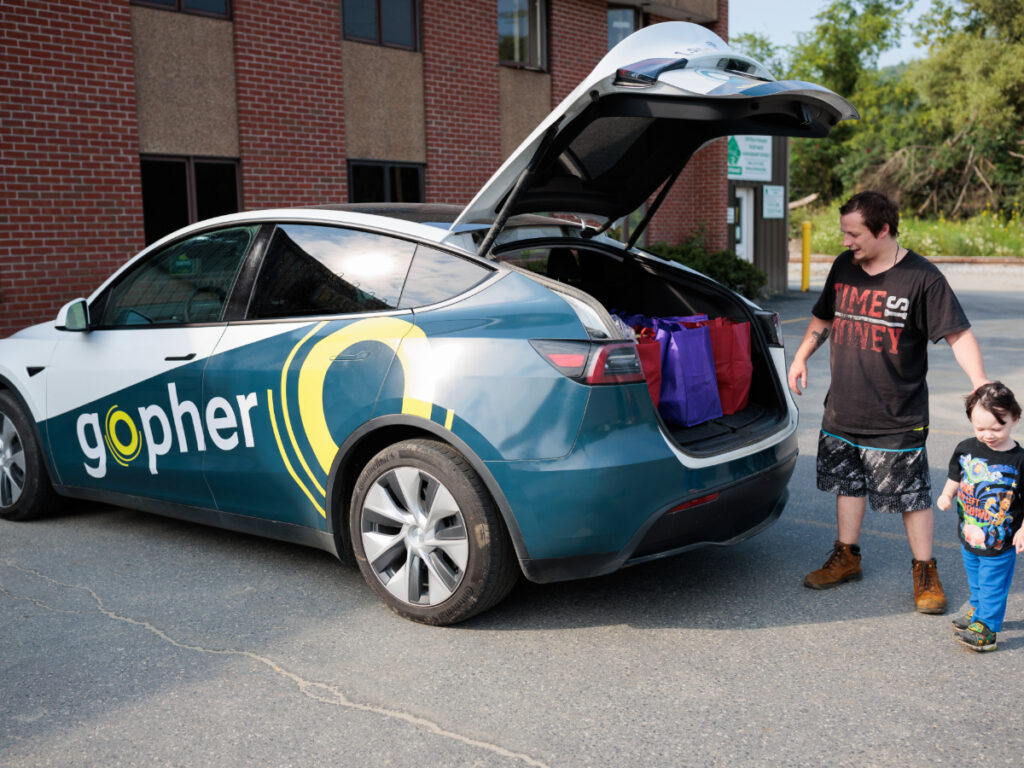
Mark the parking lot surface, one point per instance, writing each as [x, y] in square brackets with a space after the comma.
[134, 640]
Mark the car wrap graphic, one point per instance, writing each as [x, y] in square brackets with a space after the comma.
[309, 362]
[254, 428]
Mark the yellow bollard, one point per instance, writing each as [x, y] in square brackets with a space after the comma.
[805, 271]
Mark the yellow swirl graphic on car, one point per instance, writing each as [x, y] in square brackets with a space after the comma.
[412, 349]
[123, 453]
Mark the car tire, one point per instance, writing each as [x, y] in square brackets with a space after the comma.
[25, 489]
[427, 535]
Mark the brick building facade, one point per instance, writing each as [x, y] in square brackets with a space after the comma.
[89, 89]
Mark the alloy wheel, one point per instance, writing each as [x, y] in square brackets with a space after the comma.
[414, 536]
[12, 463]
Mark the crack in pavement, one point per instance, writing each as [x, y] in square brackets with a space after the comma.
[321, 692]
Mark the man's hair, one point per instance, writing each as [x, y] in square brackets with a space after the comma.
[996, 398]
[876, 209]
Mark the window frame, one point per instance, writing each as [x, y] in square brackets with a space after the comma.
[537, 38]
[414, 7]
[387, 165]
[190, 161]
[179, 7]
[639, 19]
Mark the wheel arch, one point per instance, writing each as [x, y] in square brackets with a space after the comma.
[375, 435]
[6, 385]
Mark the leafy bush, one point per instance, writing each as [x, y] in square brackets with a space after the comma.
[724, 266]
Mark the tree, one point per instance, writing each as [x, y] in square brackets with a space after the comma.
[841, 53]
[958, 149]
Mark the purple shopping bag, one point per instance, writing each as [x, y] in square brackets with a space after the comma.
[689, 389]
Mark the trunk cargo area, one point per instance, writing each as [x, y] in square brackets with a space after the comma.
[626, 284]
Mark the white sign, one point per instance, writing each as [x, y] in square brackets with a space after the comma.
[773, 200]
[750, 158]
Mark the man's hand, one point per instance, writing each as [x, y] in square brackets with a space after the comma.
[798, 377]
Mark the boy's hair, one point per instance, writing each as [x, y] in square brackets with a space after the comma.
[876, 209]
[996, 398]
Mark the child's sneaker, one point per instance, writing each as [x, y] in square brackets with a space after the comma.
[977, 637]
[961, 623]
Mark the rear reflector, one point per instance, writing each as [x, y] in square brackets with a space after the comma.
[693, 503]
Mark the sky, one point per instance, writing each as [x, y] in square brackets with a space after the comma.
[781, 20]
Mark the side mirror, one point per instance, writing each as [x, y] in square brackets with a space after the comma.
[73, 316]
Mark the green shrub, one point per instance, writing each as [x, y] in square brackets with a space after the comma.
[724, 266]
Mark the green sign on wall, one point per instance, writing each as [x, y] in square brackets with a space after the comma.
[750, 158]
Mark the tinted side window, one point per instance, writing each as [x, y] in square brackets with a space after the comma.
[437, 275]
[186, 282]
[310, 269]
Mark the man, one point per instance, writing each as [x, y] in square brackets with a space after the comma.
[880, 306]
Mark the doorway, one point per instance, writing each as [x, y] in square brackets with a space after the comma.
[744, 223]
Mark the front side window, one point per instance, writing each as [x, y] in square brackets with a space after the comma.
[622, 22]
[522, 33]
[177, 191]
[187, 282]
[312, 269]
[383, 182]
[390, 23]
[218, 8]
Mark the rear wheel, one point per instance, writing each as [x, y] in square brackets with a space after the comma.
[427, 536]
[25, 489]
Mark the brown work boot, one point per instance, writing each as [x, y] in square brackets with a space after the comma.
[928, 594]
[843, 565]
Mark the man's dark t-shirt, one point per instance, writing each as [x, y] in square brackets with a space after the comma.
[881, 325]
[989, 493]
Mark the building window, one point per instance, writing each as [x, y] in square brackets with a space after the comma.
[219, 8]
[522, 33]
[622, 22]
[177, 191]
[383, 22]
[381, 182]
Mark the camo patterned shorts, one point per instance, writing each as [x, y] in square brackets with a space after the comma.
[895, 480]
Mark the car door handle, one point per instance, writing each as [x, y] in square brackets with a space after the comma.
[361, 355]
[189, 356]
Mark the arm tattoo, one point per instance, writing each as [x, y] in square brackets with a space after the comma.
[819, 337]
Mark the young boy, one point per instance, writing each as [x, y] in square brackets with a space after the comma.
[985, 474]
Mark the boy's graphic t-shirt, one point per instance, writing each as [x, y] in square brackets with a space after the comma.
[881, 326]
[989, 494]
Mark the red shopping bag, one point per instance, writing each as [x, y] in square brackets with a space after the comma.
[730, 345]
[649, 350]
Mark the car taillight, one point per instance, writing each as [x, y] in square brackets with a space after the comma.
[772, 327]
[615, 364]
[592, 362]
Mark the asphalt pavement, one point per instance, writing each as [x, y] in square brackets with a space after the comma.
[134, 640]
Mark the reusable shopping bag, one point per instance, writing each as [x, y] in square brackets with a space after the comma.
[689, 389]
[649, 350]
[730, 345]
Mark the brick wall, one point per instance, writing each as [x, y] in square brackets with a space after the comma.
[290, 111]
[701, 193]
[70, 203]
[460, 71]
[578, 40]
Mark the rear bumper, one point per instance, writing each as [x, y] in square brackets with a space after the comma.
[737, 512]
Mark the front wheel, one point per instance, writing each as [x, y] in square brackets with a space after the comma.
[25, 489]
[427, 536]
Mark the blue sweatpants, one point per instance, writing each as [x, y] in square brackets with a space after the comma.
[989, 579]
